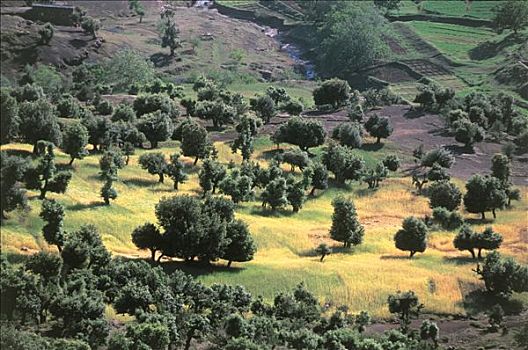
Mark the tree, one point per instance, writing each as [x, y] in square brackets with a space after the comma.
[152, 335]
[138, 8]
[98, 128]
[124, 112]
[318, 176]
[301, 132]
[448, 220]
[211, 174]
[195, 141]
[247, 129]
[295, 194]
[429, 330]
[512, 15]
[341, 161]
[355, 113]
[323, 249]
[412, 236]
[154, 163]
[12, 173]
[467, 132]
[175, 171]
[28, 93]
[378, 127]
[441, 156]
[348, 134]
[465, 240]
[47, 265]
[216, 111]
[53, 213]
[484, 193]
[426, 97]
[150, 103]
[335, 92]
[292, 107]
[502, 276]
[10, 120]
[238, 186]
[169, 32]
[147, 236]
[75, 140]
[90, 25]
[241, 247]
[345, 224]
[501, 168]
[392, 162]
[68, 107]
[38, 122]
[374, 176]
[111, 161]
[406, 305]
[388, 5]
[46, 33]
[438, 173]
[156, 126]
[296, 158]
[444, 194]
[274, 194]
[264, 107]
[360, 23]
[488, 240]
[44, 176]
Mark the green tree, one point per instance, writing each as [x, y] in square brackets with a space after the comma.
[156, 126]
[52, 213]
[247, 129]
[216, 111]
[465, 240]
[318, 175]
[46, 33]
[274, 194]
[301, 132]
[488, 240]
[429, 331]
[503, 276]
[512, 15]
[154, 163]
[75, 140]
[374, 176]
[346, 227]
[38, 122]
[341, 161]
[150, 103]
[91, 25]
[148, 236]
[169, 31]
[296, 158]
[238, 186]
[323, 249]
[44, 177]
[406, 305]
[412, 236]
[335, 92]
[10, 120]
[111, 161]
[12, 173]
[484, 193]
[444, 194]
[392, 162]
[241, 247]
[211, 174]
[378, 127]
[348, 134]
[264, 107]
[295, 193]
[467, 132]
[195, 141]
[175, 169]
[441, 156]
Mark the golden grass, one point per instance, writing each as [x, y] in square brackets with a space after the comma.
[361, 278]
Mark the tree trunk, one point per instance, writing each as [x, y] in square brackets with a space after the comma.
[480, 253]
[43, 191]
[312, 192]
[4, 216]
[161, 177]
[153, 255]
[94, 147]
[140, 19]
[188, 342]
[35, 148]
[378, 140]
[127, 159]
[472, 253]
[71, 161]
[107, 201]
[214, 189]
[483, 216]
[229, 263]
[176, 185]
[322, 257]
[153, 144]
[159, 257]
[59, 248]
[494, 214]
[195, 160]
[412, 253]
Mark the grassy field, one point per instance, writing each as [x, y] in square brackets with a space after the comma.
[361, 278]
[454, 8]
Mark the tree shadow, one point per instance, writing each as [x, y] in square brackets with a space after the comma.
[18, 153]
[271, 154]
[197, 268]
[83, 206]
[139, 182]
[490, 49]
[460, 260]
[480, 301]
[161, 59]
[395, 257]
[414, 113]
[336, 249]
[459, 150]
[372, 147]
[479, 221]
[78, 43]
[268, 213]
[366, 192]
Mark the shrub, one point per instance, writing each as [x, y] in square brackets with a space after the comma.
[449, 220]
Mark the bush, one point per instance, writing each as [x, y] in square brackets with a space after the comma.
[348, 134]
[333, 92]
[46, 33]
[449, 220]
[104, 107]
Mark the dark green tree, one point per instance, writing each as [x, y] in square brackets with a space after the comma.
[52, 213]
[241, 247]
[154, 163]
[175, 169]
[378, 127]
[46, 33]
[335, 92]
[10, 120]
[318, 176]
[301, 132]
[392, 162]
[487, 240]
[195, 141]
[75, 140]
[295, 193]
[264, 107]
[156, 126]
[503, 276]
[38, 122]
[374, 176]
[91, 25]
[444, 194]
[484, 193]
[247, 129]
[211, 174]
[512, 15]
[346, 227]
[412, 236]
[12, 173]
[169, 31]
[406, 305]
[238, 186]
[341, 161]
[348, 134]
[323, 249]
[274, 194]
